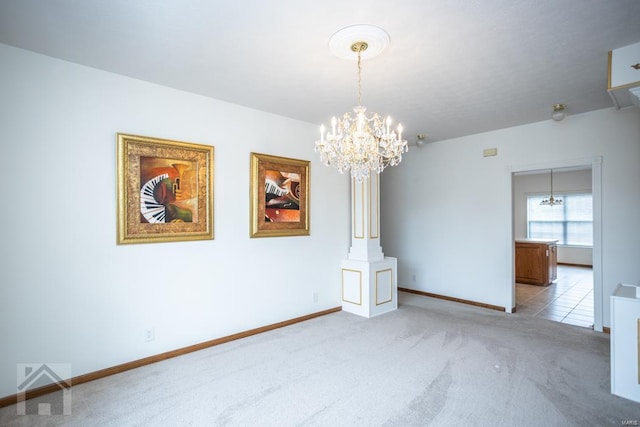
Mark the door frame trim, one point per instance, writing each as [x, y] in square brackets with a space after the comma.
[596, 190]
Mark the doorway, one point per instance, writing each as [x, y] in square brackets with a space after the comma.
[596, 188]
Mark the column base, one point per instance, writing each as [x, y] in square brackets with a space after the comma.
[370, 288]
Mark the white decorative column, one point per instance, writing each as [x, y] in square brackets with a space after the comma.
[369, 279]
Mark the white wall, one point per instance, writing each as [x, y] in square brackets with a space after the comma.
[446, 210]
[539, 183]
[69, 294]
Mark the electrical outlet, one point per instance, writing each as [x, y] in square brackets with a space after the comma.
[315, 297]
[149, 334]
[414, 279]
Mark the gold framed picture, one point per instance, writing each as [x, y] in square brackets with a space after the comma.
[165, 190]
[279, 196]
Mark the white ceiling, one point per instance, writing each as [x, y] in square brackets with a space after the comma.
[453, 67]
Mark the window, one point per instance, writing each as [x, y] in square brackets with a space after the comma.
[571, 223]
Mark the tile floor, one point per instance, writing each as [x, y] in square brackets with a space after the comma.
[569, 299]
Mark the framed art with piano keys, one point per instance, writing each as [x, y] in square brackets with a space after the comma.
[165, 190]
[279, 196]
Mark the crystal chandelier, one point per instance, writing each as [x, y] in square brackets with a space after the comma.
[551, 201]
[358, 141]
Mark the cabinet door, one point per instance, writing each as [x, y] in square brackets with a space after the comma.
[531, 263]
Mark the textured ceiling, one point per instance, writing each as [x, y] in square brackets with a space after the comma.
[453, 67]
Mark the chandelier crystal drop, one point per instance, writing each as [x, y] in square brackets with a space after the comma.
[358, 141]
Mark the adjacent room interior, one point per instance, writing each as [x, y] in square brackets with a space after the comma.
[565, 295]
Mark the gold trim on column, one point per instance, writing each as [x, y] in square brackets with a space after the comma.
[390, 286]
[355, 212]
[359, 285]
[374, 232]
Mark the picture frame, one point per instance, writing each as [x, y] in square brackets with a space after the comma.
[164, 190]
[279, 196]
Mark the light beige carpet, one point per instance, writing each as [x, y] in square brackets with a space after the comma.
[431, 362]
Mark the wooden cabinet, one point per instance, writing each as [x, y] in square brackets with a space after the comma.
[536, 261]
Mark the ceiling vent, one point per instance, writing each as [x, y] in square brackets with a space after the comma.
[624, 76]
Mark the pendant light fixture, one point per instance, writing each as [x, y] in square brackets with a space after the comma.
[360, 142]
[558, 112]
[551, 201]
